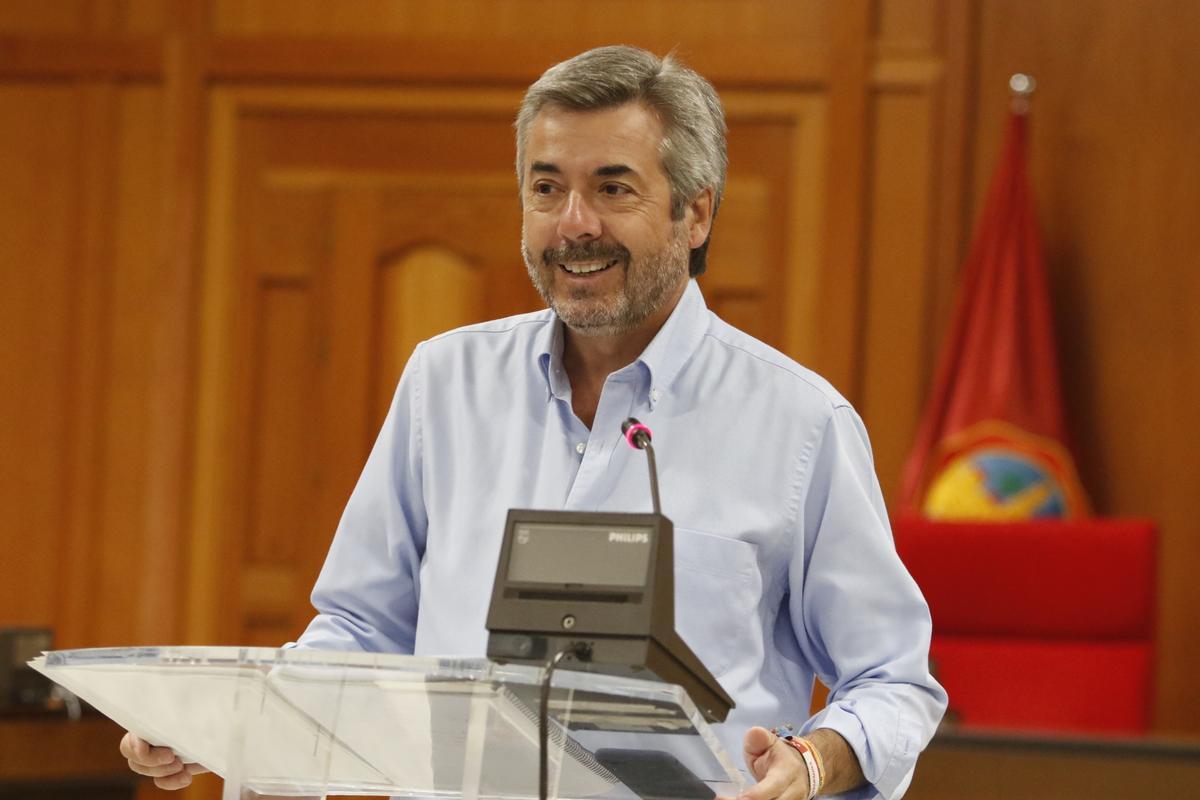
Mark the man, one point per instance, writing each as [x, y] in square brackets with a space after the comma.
[785, 565]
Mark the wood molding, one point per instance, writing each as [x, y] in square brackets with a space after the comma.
[841, 280]
[377, 59]
[126, 57]
[172, 349]
[953, 133]
[325, 179]
[89, 331]
[209, 520]
[907, 74]
[483, 62]
[806, 113]
[267, 593]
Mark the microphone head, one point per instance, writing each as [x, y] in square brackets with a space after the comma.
[637, 434]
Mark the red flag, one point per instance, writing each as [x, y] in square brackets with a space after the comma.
[991, 443]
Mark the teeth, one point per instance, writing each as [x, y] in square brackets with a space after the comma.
[586, 267]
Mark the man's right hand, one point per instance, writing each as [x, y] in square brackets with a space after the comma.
[160, 763]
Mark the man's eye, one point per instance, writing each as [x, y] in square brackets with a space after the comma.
[614, 189]
[542, 188]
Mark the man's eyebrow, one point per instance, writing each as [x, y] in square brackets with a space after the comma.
[607, 171]
[612, 170]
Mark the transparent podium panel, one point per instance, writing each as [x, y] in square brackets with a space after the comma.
[308, 723]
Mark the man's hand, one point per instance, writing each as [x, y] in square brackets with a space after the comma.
[778, 768]
[160, 763]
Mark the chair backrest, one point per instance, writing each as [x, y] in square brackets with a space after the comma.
[1045, 625]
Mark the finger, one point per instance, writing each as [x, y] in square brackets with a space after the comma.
[179, 780]
[756, 742]
[195, 769]
[156, 770]
[778, 768]
[780, 778]
[135, 748]
[129, 745]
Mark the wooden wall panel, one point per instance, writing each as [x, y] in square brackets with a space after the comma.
[88, 330]
[279, 449]
[841, 279]
[1116, 172]
[798, 21]
[888, 314]
[131, 208]
[39, 159]
[898, 265]
[766, 244]
[908, 25]
[34, 16]
[83, 16]
[84, 212]
[138, 16]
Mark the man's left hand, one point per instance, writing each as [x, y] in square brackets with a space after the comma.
[778, 768]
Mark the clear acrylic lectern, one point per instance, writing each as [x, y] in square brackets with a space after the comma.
[308, 723]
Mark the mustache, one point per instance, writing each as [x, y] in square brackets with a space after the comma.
[584, 251]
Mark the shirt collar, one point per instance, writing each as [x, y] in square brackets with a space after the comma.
[666, 354]
[549, 357]
[675, 342]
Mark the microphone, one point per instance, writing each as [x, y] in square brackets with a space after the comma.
[638, 436]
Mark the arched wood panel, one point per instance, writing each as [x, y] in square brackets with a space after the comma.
[421, 293]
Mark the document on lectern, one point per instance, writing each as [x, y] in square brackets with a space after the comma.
[293, 722]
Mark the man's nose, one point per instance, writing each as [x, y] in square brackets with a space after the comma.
[579, 221]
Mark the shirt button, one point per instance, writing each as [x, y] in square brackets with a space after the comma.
[579, 448]
[654, 395]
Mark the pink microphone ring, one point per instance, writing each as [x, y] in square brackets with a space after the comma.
[633, 431]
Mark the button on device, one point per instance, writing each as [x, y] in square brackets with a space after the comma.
[579, 448]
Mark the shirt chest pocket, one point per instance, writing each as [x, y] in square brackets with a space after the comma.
[718, 587]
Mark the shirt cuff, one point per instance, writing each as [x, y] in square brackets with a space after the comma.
[887, 780]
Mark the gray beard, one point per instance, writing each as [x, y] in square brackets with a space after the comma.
[649, 282]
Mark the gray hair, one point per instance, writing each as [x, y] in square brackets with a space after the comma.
[693, 145]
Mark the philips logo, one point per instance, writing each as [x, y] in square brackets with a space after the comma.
[628, 538]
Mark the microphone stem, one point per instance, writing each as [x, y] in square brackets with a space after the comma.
[653, 478]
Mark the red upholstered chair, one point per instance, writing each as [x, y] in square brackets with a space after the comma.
[1040, 625]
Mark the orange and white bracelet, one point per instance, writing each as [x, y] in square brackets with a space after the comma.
[812, 759]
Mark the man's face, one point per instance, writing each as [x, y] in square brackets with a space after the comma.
[597, 236]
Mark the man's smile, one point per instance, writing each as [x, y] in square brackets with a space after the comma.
[586, 267]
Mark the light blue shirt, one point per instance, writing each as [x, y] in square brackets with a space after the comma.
[785, 567]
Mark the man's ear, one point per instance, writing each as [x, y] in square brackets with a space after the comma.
[698, 216]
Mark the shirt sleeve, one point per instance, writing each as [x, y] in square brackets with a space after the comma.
[863, 624]
[366, 595]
